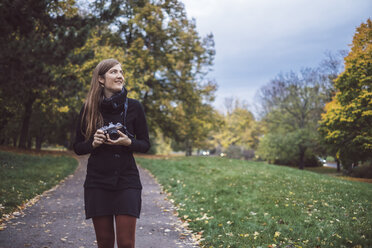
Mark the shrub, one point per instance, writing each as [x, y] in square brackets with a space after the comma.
[363, 171]
[239, 152]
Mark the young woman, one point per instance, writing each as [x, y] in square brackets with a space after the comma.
[112, 188]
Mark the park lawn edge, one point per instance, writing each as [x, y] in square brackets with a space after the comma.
[18, 210]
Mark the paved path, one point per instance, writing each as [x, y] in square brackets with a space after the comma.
[330, 164]
[57, 220]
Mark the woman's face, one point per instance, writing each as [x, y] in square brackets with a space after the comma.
[113, 81]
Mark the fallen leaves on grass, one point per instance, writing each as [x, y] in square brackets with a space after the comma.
[29, 203]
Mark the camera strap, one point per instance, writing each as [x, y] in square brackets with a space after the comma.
[125, 111]
[125, 118]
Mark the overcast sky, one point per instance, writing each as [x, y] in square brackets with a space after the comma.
[256, 40]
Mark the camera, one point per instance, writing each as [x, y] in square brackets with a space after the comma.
[112, 130]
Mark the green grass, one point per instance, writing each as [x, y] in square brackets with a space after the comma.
[235, 203]
[22, 177]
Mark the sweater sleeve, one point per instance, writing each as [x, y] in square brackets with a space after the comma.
[82, 146]
[141, 142]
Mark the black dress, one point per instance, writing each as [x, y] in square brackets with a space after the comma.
[112, 185]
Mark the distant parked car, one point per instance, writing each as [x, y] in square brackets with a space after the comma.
[205, 153]
[322, 160]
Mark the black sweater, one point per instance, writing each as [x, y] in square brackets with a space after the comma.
[113, 166]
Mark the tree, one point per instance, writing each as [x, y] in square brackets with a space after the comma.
[237, 132]
[36, 36]
[164, 59]
[76, 76]
[346, 125]
[194, 125]
[330, 68]
[292, 106]
[165, 64]
[238, 129]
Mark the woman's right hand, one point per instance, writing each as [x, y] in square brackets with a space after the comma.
[99, 138]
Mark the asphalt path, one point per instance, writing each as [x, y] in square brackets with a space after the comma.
[57, 219]
[330, 164]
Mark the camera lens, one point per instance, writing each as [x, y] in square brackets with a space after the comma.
[114, 135]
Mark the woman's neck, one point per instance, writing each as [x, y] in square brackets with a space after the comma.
[107, 94]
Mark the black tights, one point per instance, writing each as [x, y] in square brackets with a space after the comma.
[125, 231]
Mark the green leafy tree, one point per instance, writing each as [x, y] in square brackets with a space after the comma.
[165, 64]
[238, 128]
[164, 59]
[36, 36]
[194, 125]
[76, 78]
[346, 125]
[292, 104]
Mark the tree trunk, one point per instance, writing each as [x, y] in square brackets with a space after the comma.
[26, 122]
[188, 151]
[70, 141]
[188, 148]
[29, 142]
[39, 142]
[73, 131]
[338, 165]
[302, 157]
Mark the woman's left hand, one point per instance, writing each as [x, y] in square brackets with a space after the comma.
[122, 140]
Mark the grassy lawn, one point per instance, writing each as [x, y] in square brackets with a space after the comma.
[234, 203]
[22, 176]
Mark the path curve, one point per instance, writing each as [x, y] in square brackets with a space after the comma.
[58, 219]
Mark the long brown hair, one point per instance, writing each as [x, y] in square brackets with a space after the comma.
[92, 118]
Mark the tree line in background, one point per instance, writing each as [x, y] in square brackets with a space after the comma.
[49, 49]
[322, 111]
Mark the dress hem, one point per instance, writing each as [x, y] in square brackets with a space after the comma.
[104, 214]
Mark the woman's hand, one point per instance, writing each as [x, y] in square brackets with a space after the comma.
[122, 140]
[99, 138]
